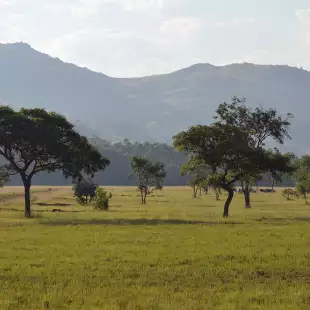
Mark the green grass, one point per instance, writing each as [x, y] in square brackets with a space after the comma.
[174, 253]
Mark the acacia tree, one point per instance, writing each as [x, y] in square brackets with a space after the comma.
[226, 149]
[198, 170]
[149, 176]
[34, 140]
[261, 124]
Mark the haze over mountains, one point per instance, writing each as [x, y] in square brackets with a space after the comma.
[149, 108]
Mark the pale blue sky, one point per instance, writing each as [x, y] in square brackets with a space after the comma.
[140, 37]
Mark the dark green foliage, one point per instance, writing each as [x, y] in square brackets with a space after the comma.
[101, 200]
[226, 149]
[34, 140]
[149, 176]
[278, 165]
[84, 191]
[233, 147]
[260, 124]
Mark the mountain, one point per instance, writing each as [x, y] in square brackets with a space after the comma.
[149, 108]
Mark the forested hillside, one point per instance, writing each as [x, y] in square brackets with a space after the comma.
[120, 169]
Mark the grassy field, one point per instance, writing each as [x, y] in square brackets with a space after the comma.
[174, 253]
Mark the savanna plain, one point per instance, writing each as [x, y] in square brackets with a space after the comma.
[173, 253]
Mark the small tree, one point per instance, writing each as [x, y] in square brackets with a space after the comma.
[302, 175]
[34, 140]
[84, 191]
[198, 170]
[303, 188]
[149, 176]
[214, 181]
[101, 199]
[248, 181]
[278, 166]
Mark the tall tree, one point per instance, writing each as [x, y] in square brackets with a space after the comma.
[149, 176]
[261, 124]
[226, 149]
[34, 140]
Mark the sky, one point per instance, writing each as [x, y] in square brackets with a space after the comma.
[129, 38]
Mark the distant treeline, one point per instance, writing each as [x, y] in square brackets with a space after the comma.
[117, 174]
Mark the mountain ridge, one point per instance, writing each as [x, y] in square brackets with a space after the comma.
[153, 107]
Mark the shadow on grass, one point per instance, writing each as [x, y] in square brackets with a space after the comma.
[136, 222]
[284, 220]
[41, 211]
[57, 204]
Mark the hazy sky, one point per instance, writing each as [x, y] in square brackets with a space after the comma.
[140, 37]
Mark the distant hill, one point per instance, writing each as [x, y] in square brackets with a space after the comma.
[149, 108]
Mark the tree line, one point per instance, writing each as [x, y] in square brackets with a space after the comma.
[231, 151]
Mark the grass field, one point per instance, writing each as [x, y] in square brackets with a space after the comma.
[174, 253]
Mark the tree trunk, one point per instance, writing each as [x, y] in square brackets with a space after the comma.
[27, 186]
[230, 197]
[142, 199]
[195, 192]
[305, 197]
[145, 193]
[247, 198]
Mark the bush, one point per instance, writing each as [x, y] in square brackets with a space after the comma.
[289, 193]
[101, 200]
[84, 191]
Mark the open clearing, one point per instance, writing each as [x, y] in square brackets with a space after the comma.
[174, 253]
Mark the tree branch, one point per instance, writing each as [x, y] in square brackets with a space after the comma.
[236, 178]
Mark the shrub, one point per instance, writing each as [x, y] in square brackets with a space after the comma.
[101, 200]
[289, 193]
[84, 191]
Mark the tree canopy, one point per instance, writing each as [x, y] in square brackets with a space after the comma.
[226, 149]
[34, 140]
[302, 176]
[149, 176]
[260, 124]
[198, 171]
